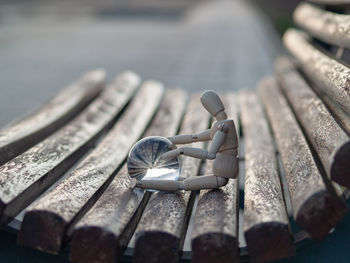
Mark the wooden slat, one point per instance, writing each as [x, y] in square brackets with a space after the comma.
[21, 135]
[163, 225]
[60, 208]
[342, 117]
[330, 27]
[315, 208]
[329, 140]
[102, 234]
[28, 175]
[331, 2]
[266, 226]
[329, 76]
[215, 232]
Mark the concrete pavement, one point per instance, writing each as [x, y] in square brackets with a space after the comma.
[220, 45]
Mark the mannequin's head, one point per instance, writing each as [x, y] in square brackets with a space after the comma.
[213, 104]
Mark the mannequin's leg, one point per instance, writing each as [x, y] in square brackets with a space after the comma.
[192, 183]
[203, 182]
[159, 185]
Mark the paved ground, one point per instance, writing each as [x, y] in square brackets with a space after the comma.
[221, 44]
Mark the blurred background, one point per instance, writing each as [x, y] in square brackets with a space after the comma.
[280, 12]
[192, 44]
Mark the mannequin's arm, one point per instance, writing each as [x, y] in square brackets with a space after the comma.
[189, 138]
[210, 154]
[189, 151]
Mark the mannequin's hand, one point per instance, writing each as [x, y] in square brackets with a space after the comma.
[171, 154]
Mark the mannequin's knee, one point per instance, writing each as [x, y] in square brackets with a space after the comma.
[221, 181]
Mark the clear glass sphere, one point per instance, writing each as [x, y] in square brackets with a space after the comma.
[145, 162]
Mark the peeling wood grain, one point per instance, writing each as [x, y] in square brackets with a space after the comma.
[104, 232]
[330, 76]
[215, 232]
[315, 208]
[330, 27]
[26, 132]
[25, 177]
[74, 195]
[266, 226]
[162, 227]
[330, 142]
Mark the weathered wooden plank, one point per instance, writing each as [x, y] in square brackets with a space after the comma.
[330, 76]
[331, 2]
[342, 117]
[315, 208]
[266, 226]
[215, 231]
[329, 140]
[330, 27]
[21, 135]
[65, 204]
[102, 234]
[29, 174]
[163, 225]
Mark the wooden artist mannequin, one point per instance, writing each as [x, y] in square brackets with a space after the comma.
[223, 150]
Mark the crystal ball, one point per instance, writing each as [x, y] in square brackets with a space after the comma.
[145, 163]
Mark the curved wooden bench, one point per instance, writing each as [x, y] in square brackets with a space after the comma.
[91, 212]
[67, 193]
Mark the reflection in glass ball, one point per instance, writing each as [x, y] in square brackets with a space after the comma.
[145, 162]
